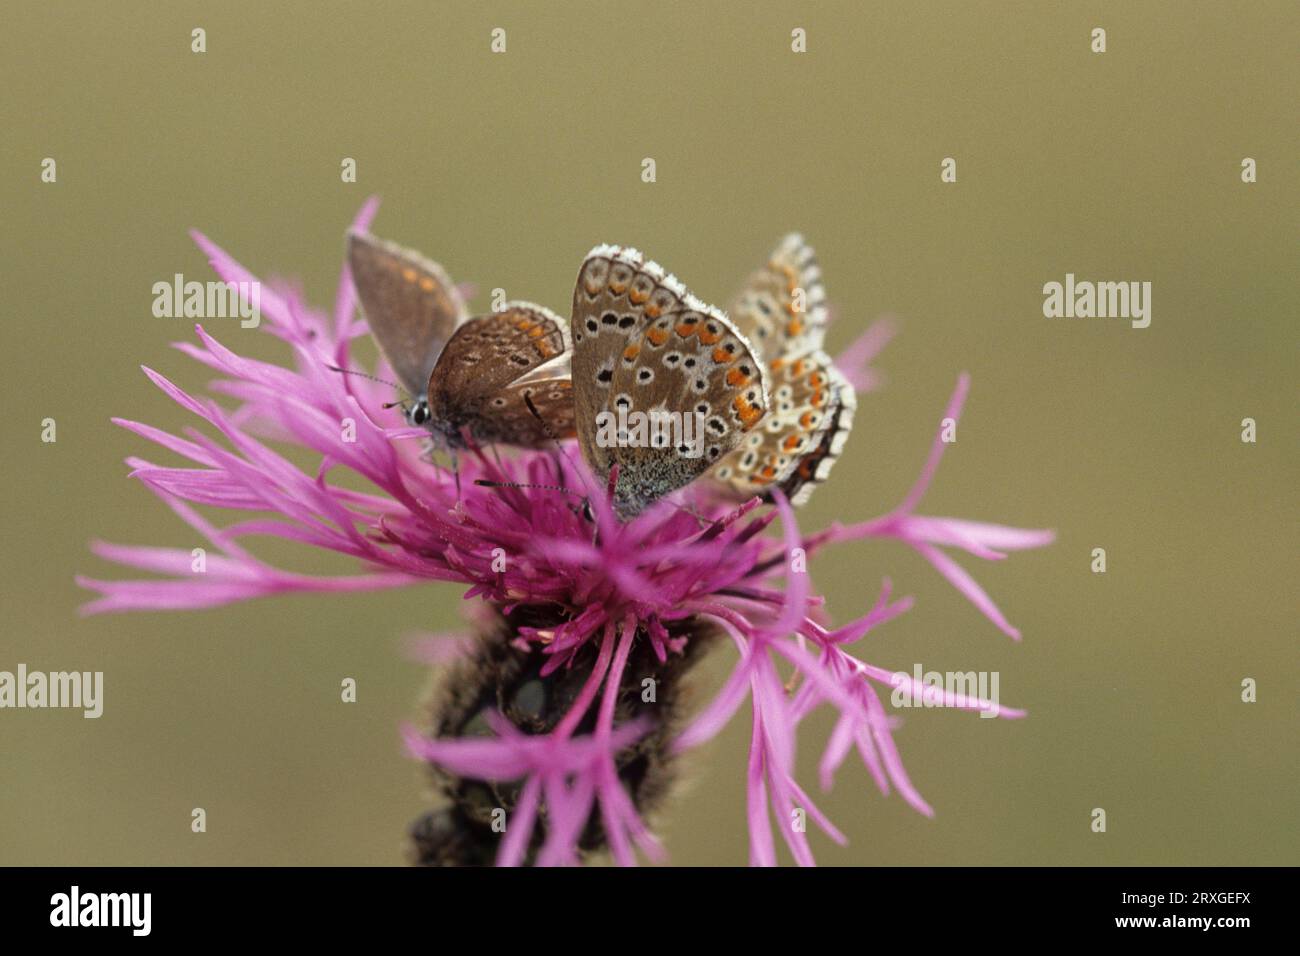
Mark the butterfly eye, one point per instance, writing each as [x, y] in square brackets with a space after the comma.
[419, 414]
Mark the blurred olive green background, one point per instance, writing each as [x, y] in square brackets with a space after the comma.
[507, 168]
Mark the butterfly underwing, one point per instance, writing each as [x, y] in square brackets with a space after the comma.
[782, 306]
[410, 304]
[815, 467]
[810, 415]
[504, 378]
[496, 378]
[643, 344]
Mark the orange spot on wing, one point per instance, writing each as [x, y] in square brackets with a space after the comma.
[684, 330]
[426, 284]
[637, 296]
[657, 336]
[722, 356]
[709, 338]
[736, 378]
[631, 351]
[748, 412]
[409, 274]
[652, 310]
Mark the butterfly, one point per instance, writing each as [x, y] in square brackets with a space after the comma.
[502, 377]
[782, 309]
[644, 344]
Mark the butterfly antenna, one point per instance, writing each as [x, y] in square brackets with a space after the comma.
[488, 483]
[550, 433]
[587, 512]
[373, 378]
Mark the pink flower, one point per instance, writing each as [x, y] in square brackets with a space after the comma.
[653, 582]
[926, 535]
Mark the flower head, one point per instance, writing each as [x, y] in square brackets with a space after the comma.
[585, 606]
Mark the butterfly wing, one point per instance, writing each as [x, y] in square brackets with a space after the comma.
[410, 304]
[643, 343]
[815, 467]
[536, 412]
[492, 367]
[782, 307]
[796, 445]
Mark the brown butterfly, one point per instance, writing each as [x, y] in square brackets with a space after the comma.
[502, 377]
[645, 348]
